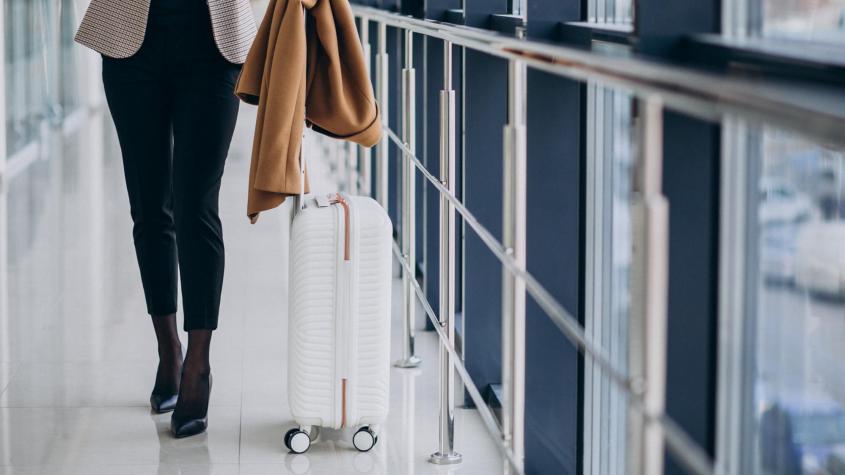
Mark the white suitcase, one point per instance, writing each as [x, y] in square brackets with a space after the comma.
[339, 319]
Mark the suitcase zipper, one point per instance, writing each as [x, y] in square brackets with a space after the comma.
[344, 306]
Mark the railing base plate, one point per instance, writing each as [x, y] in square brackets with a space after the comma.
[410, 362]
[438, 458]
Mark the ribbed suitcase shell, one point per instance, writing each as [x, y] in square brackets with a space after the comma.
[339, 315]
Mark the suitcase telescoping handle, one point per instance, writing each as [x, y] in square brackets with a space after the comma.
[299, 205]
[299, 200]
[301, 197]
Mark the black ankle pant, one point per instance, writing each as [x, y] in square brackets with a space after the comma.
[174, 110]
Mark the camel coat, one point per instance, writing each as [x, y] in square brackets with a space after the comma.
[303, 68]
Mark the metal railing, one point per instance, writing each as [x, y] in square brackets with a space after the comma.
[655, 88]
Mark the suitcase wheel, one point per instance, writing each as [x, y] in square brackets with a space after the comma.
[297, 441]
[364, 439]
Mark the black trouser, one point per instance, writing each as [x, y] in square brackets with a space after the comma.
[175, 110]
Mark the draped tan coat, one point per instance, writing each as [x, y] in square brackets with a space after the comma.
[303, 68]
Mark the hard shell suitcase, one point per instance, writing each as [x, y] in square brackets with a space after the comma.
[339, 318]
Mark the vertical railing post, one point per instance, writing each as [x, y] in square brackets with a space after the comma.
[364, 153]
[446, 431]
[649, 289]
[353, 174]
[382, 67]
[3, 89]
[4, 220]
[4, 264]
[340, 162]
[513, 289]
[735, 174]
[409, 359]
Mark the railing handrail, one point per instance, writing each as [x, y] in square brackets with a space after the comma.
[814, 111]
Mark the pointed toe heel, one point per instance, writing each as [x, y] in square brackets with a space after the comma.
[161, 404]
[188, 428]
[192, 426]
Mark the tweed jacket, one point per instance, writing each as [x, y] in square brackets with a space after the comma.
[116, 28]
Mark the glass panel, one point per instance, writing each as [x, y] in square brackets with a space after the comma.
[25, 81]
[798, 301]
[69, 79]
[42, 68]
[610, 11]
[821, 21]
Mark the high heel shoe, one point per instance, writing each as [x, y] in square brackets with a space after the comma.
[162, 403]
[189, 427]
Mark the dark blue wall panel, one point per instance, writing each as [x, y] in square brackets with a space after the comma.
[394, 48]
[691, 184]
[422, 107]
[457, 84]
[478, 13]
[545, 17]
[486, 113]
[436, 9]
[555, 244]
[434, 83]
[662, 25]
[554, 254]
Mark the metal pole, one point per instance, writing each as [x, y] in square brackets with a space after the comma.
[737, 171]
[364, 153]
[339, 163]
[649, 285]
[513, 289]
[353, 172]
[446, 454]
[408, 447]
[4, 219]
[382, 67]
[3, 154]
[409, 359]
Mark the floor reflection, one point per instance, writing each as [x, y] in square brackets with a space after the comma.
[408, 448]
[195, 450]
[343, 461]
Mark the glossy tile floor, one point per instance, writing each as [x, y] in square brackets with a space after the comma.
[77, 352]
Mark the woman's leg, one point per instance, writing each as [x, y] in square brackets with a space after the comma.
[203, 122]
[190, 415]
[204, 115]
[141, 110]
[170, 361]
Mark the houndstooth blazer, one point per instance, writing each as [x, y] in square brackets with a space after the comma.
[116, 28]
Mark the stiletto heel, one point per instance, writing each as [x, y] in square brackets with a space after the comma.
[163, 403]
[193, 426]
